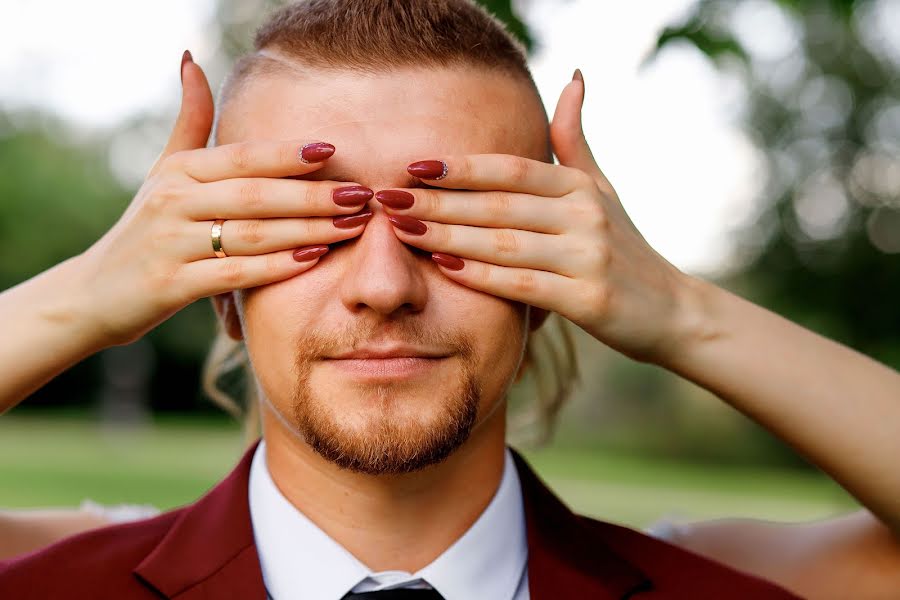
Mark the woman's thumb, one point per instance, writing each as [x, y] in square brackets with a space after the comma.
[566, 134]
[195, 119]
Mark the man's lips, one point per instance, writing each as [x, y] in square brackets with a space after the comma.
[372, 369]
[387, 362]
[390, 351]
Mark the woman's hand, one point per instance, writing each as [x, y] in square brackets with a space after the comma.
[552, 236]
[159, 257]
[557, 238]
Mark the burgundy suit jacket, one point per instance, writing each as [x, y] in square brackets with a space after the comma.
[206, 550]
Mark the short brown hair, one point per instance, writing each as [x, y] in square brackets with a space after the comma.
[376, 36]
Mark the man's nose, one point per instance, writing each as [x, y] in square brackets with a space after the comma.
[383, 274]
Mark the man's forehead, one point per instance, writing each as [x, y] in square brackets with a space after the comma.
[368, 148]
[385, 121]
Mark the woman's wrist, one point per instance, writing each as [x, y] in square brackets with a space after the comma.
[49, 327]
[694, 323]
[64, 304]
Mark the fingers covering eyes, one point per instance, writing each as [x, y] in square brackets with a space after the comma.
[249, 159]
[244, 237]
[509, 247]
[489, 209]
[509, 173]
[250, 198]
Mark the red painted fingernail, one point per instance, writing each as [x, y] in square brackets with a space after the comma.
[351, 221]
[447, 261]
[186, 57]
[351, 195]
[309, 253]
[316, 152]
[428, 169]
[408, 224]
[395, 198]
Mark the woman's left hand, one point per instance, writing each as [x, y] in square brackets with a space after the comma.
[552, 236]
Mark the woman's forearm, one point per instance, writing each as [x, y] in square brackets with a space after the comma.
[46, 330]
[23, 531]
[836, 406]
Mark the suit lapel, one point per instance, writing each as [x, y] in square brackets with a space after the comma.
[565, 558]
[209, 551]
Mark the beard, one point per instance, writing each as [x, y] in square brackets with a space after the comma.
[391, 433]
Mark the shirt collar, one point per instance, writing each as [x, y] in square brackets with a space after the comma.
[298, 559]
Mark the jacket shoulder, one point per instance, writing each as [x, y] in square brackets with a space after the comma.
[677, 572]
[95, 564]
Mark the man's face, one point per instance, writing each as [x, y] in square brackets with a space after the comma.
[374, 292]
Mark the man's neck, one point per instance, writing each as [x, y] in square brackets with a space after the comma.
[390, 522]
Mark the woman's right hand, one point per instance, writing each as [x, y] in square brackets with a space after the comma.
[159, 257]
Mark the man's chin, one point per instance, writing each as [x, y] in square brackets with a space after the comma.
[382, 446]
[386, 427]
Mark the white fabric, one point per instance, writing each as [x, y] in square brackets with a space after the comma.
[667, 530]
[299, 560]
[119, 513]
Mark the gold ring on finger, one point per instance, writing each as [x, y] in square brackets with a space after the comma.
[217, 238]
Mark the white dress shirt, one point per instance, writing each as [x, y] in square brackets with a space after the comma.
[299, 561]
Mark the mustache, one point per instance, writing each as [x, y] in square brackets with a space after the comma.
[317, 345]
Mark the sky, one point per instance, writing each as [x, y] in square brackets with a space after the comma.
[665, 135]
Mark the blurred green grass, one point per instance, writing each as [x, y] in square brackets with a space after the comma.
[60, 461]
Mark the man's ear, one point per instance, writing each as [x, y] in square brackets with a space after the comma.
[536, 317]
[225, 306]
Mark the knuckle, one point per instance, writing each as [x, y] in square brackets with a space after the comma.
[506, 242]
[430, 199]
[155, 203]
[231, 273]
[580, 178]
[163, 196]
[591, 215]
[441, 234]
[170, 193]
[287, 153]
[464, 168]
[272, 266]
[524, 282]
[311, 193]
[240, 155]
[500, 204]
[250, 194]
[515, 168]
[249, 231]
[598, 298]
[599, 220]
[161, 275]
[174, 162]
[604, 255]
[311, 228]
[598, 256]
[484, 272]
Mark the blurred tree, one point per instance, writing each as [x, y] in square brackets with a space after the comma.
[823, 106]
[49, 180]
[57, 196]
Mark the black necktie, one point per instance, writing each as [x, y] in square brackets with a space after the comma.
[395, 594]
